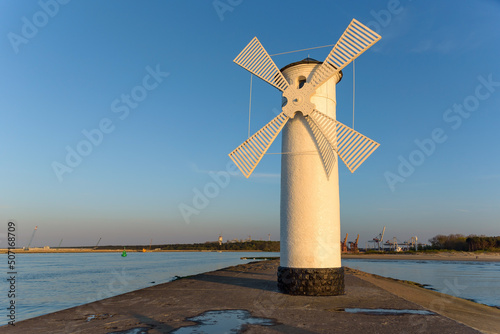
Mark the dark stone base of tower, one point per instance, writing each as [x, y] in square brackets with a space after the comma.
[311, 281]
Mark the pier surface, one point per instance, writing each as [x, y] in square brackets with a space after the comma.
[245, 299]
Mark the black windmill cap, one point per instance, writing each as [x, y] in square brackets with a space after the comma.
[307, 60]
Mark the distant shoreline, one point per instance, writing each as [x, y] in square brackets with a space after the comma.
[438, 256]
[84, 250]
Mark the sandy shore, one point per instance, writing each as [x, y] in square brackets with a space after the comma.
[440, 256]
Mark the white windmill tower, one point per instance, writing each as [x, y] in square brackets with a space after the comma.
[312, 140]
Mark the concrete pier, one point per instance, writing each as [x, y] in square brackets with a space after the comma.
[246, 297]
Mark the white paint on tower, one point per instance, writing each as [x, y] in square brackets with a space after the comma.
[310, 209]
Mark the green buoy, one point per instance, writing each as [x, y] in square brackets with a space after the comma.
[124, 253]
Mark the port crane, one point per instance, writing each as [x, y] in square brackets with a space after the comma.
[412, 243]
[97, 243]
[393, 244]
[32, 236]
[343, 244]
[416, 243]
[353, 246]
[379, 239]
[150, 243]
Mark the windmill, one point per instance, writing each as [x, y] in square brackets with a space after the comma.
[312, 141]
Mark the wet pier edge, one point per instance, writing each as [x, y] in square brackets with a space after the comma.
[245, 298]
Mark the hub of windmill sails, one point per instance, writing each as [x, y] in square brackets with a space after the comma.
[300, 100]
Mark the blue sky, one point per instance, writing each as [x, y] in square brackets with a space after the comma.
[73, 66]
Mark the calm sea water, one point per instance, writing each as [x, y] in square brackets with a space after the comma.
[477, 281]
[50, 282]
[47, 283]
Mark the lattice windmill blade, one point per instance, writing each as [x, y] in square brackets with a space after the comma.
[351, 146]
[325, 148]
[248, 155]
[255, 59]
[355, 40]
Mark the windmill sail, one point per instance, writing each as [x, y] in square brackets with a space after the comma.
[326, 150]
[330, 136]
[355, 40]
[248, 155]
[351, 146]
[255, 59]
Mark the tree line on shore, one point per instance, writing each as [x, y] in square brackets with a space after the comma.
[254, 245]
[460, 242]
[260, 245]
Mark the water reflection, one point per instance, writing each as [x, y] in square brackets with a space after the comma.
[225, 321]
[477, 281]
